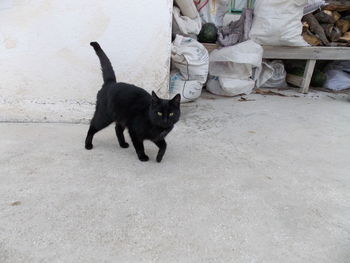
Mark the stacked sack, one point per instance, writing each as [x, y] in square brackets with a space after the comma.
[190, 63]
[237, 69]
[278, 22]
[233, 70]
[190, 59]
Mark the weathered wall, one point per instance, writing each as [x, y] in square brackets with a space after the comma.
[48, 71]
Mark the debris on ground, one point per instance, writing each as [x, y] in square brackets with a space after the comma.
[243, 99]
[273, 93]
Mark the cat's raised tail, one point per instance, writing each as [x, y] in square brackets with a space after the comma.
[106, 66]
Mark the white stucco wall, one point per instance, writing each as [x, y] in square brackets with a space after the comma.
[48, 71]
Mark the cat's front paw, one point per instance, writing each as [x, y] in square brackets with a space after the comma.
[159, 158]
[143, 158]
[124, 145]
[88, 146]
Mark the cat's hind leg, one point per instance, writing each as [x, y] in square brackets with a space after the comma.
[119, 131]
[98, 123]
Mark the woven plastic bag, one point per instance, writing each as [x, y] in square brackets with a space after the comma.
[191, 58]
[212, 11]
[233, 68]
[184, 25]
[189, 90]
[278, 77]
[278, 22]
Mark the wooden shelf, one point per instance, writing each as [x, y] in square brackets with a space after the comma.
[311, 54]
[210, 47]
[317, 53]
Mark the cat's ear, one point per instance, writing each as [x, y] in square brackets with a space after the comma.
[176, 100]
[155, 98]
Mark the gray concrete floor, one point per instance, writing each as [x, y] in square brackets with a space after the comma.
[259, 181]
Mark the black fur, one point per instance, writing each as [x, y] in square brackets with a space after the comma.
[146, 117]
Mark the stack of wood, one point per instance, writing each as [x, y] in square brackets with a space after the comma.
[329, 26]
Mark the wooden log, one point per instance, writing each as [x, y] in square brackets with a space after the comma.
[338, 6]
[328, 28]
[340, 44]
[305, 26]
[343, 25]
[336, 15]
[325, 17]
[311, 38]
[328, 12]
[316, 28]
[335, 34]
[345, 37]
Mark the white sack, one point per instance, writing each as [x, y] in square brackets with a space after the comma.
[191, 58]
[233, 68]
[188, 89]
[338, 75]
[188, 8]
[212, 11]
[337, 80]
[187, 26]
[278, 22]
[278, 77]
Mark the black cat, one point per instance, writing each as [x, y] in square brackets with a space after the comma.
[146, 117]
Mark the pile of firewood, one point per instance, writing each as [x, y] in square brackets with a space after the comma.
[329, 26]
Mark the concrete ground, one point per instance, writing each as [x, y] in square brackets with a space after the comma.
[266, 180]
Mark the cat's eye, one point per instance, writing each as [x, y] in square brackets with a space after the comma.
[159, 113]
[171, 114]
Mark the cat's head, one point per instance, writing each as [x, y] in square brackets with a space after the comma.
[165, 113]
